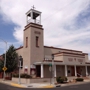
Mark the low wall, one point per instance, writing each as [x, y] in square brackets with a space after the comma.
[71, 78]
[16, 80]
[32, 80]
[36, 80]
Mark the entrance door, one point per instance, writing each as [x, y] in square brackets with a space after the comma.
[72, 71]
[38, 71]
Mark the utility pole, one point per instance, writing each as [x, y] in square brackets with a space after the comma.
[5, 61]
[53, 69]
[4, 68]
[20, 66]
[19, 72]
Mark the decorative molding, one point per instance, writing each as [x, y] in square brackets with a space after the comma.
[37, 32]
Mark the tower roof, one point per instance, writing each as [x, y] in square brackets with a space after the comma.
[34, 11]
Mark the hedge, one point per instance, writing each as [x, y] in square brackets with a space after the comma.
[61, 79]
[79, 79]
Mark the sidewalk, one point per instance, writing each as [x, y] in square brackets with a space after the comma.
[40, 85]
[32, 85]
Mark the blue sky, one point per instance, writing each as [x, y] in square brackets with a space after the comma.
[6, 30]
[66, 23]
[6, 33]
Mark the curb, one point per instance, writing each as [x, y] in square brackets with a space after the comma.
[13, 84]
[47, 86]
[17, 85]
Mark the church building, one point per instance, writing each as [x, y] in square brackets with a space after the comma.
[39, 59]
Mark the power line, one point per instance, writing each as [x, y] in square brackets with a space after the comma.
[0, 4]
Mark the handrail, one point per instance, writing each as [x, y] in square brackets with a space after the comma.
[79, 74]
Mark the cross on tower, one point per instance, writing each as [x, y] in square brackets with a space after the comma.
[33, 7]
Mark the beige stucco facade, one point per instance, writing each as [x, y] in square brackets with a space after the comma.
[31, 53]
[37, 59]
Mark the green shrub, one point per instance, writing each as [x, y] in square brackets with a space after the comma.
[79, 79]
[15, 75]
[65, 78]
[22, 75]
[58, 79]
[61, 79]
[25, 76]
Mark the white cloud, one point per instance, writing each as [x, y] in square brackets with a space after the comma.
[56, 14]
[4, 47]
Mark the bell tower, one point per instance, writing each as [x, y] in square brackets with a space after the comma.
[33, 48]
[33, 16]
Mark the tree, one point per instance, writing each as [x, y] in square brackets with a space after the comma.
[11, 59]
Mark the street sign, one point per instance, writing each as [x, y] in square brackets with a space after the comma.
[4, 68]
[50, 64]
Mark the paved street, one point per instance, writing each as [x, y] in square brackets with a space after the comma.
[7, 87]
[76, 87]
[73, 87]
